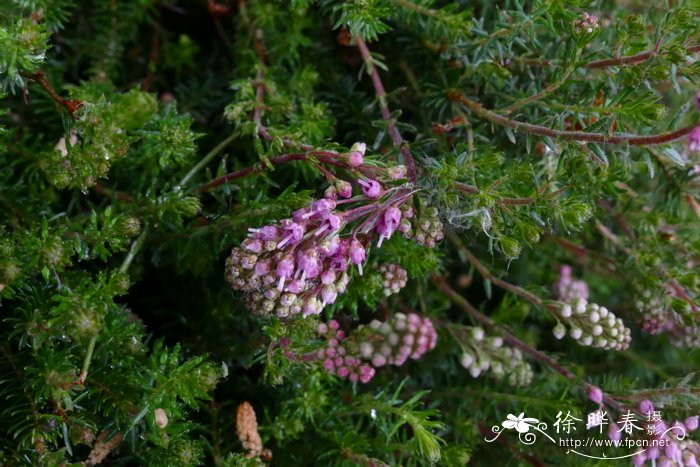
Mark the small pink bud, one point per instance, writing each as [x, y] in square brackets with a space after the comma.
[357, 154]
[397, 172]
[646, 406]
[595, 394]
[691, 423]
[343, 188]
[694, 139]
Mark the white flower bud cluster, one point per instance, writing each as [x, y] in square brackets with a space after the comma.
[394, 278]
[423, 226]
[592, 325]
[487, 353]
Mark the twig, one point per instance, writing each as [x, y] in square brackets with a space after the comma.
[486, 274]
[635, 140]
[633, 59]
[394, 133]
[326, 157]
[118, 195]
[152, 57]
[604, 63]
[87, 360]
[70, 105]
[515, 342]
[135, 247]
[206, 159]
[547, 90]
[647, 393]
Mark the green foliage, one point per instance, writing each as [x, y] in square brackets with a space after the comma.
[23, 45]
[140, 141]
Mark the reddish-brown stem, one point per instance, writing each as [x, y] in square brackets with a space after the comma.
[118, 195]
[608, 263]
[633, 59]
[645, 394]
[635, 140]
[326, 157]
[394, 133]
[70, 105]
[486, 274]
[152, 57]
[514, 341]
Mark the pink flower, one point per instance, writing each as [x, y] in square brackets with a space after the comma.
[371, 188]
[691, 423]
[694, 139]
[646, 406]
[357, 254]
[343, 188]
[357, 154]
[595, 394]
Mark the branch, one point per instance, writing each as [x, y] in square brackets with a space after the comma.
[70, 105]
[394, 133]
[515, 342]
[486, 274]
[633, 59]
[326, 157]
[604, 63]
[635, 140]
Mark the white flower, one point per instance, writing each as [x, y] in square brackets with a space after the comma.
[520, 423]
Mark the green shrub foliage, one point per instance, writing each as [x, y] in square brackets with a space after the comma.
[384, 224]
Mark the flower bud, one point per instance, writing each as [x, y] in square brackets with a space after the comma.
[595, 394]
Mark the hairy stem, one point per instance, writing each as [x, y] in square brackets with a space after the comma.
[635, 140]
[515, 342]
[394, 133]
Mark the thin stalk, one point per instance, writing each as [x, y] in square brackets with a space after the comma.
[380, 93]
[634, 140]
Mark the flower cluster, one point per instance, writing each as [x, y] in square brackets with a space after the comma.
[393, 278]
[658, 317]
[675, 452]
[301, 264]
[567, 288]
[488, 353]
[592, 325]
[425, 227]
[586, 23]
[338, 358]
[375, 345]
